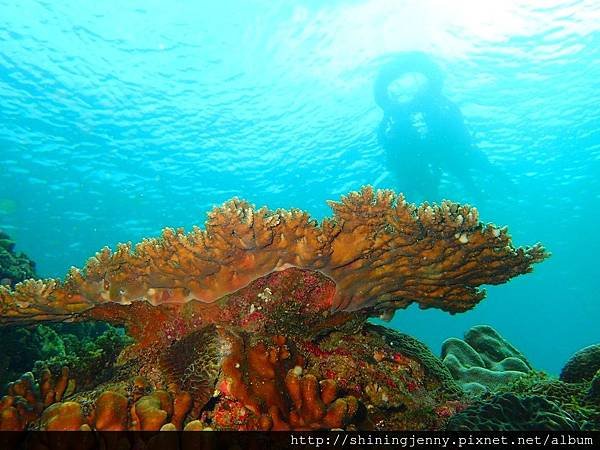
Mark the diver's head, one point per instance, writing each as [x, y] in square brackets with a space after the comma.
[408, 87]
[409, 81]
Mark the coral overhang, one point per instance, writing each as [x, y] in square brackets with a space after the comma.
[381, 252]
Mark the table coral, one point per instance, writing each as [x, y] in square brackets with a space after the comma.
[380, 251]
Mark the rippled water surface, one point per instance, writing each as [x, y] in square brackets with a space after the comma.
[120, 118]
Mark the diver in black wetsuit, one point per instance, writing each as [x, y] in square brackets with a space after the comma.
[425, 135]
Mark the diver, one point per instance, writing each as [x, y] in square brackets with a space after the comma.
[422, 132]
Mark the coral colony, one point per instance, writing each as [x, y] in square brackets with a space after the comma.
[259, 321]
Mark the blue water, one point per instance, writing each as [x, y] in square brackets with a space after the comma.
[120, 118]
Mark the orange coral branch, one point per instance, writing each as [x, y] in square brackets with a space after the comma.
[381, 252]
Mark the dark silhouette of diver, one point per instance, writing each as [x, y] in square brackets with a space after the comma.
[425, 135]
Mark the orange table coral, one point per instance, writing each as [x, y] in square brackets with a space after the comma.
[381, 252]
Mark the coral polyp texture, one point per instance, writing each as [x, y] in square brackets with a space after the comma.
[259, 321]
[484, 360]
[380, 251]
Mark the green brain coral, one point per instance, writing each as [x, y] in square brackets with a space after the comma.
[484, 360]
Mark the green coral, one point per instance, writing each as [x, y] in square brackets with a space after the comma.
[509, 412]
[577, 400]
[89, 360]
[6, 242]
[87, 349]
[483, 361]
[14, 267]
[20, 347]
[574, 398]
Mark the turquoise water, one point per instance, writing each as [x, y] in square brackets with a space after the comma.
[120, 118]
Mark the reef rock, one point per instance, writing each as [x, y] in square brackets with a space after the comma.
[373, 379]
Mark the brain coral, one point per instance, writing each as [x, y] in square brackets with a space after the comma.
[582, 366]
[483, 360]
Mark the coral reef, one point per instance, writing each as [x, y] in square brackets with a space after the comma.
[15, 347]
[265, 386]
[508, 412]
[381, 252]
[401, 383]
[411, 347]
[259, 322]
[21, 347]
[484, 360]
[85, 348]
[582, 366]
[88, 355]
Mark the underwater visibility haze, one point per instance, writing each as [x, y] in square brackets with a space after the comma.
[118, 119]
